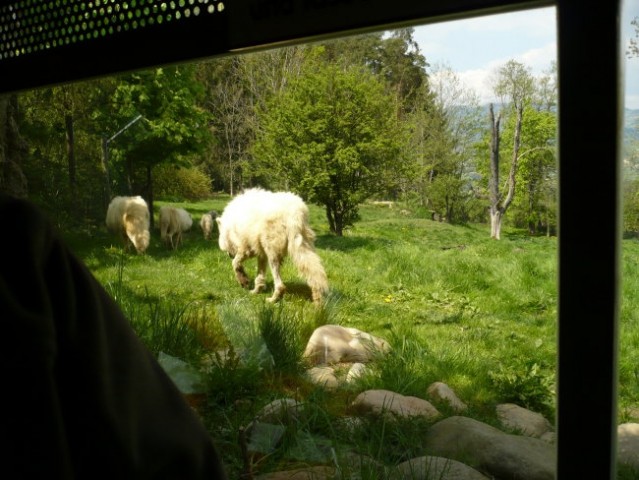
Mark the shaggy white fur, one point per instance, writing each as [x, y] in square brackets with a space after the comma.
[129, 217]
[207, 223]
[174, 221]
[269, 226]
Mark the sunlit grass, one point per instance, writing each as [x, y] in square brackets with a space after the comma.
[456, 306]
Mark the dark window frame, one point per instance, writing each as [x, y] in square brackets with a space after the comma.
[590, 116]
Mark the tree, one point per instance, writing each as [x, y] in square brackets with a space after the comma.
[450, 132]
[398, 60]
[12, 148]
[61, 125]
[174, 127]
[514, 85]
[229, 103]
[333, 137]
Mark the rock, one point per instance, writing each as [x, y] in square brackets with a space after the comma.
[355, 372]
[354, 466]
[435, 468]
[323, 376]
[440, 392]
[628, 444]
[281, 411]
[522, 420]
[549, 437]
[490, 450]
[384, 401]
[263, 438]
[350, 424]
[334, 344]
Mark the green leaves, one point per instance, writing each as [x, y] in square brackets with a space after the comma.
[333, 137]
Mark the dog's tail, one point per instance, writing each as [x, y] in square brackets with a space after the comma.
[306, 260]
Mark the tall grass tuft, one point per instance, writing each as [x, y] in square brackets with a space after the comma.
[162, 324]
[282, 331]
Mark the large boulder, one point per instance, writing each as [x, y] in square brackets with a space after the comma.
[522, 420]
[336, 344]
[440, 392]
[628, 444]
[435, 468]
[490, 450]
[383, 402]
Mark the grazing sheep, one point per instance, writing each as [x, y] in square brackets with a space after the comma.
[174, 221]
[207, 223]
[270, 225]
[129, 217]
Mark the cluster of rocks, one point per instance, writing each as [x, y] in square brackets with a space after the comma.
[459, 447]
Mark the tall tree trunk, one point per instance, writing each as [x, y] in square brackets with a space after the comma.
[13, 149]
[493, 182]
[330, 219]
[495, 223]
[498, 207]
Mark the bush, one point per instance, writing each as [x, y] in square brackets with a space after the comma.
[188, 183]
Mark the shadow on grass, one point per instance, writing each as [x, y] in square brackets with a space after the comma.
[348, 244]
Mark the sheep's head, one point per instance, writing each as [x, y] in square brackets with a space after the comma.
[141, 241]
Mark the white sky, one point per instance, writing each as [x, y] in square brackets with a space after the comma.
[474, 48]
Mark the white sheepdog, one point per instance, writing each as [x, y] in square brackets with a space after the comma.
[207, 223]
[174, 221]
[129, 217]
[270, 225]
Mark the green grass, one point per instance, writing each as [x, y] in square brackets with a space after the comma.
[456, 306]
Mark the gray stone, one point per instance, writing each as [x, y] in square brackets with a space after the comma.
[323, 376]
[435, 468]
[281, 411]
[263, 438]
[356, 371]
[440, 392]
[628, 444]
[522, 420]
[335, 344]
[490, 450]
[384, 402]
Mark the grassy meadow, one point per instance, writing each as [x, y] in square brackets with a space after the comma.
[456, 306]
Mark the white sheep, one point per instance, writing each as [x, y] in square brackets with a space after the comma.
[174, 221]
[129, 217]
[207, 223]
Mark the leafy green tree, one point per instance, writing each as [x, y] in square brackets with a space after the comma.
[12, 148]
[230, 106]
[535, 207]
[173, 127]
[399, 61]
[333, 137]
[62, 166]
[447, 135]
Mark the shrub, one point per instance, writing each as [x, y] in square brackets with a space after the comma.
[188, 183]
